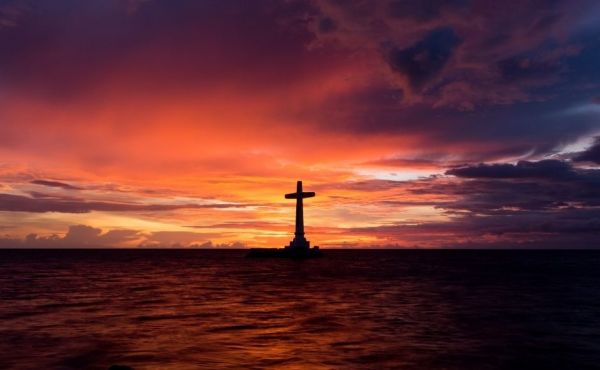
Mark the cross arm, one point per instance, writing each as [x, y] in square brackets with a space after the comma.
[304, 194]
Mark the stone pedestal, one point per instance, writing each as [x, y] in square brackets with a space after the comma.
[299, 243]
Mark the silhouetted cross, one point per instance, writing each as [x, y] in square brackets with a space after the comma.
[299, 239]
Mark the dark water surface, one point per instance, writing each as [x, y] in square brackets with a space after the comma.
[178, 309]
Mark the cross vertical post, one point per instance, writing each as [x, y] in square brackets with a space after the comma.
[299, 232]
[299, 239]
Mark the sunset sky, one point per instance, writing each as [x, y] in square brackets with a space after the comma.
[182, 123]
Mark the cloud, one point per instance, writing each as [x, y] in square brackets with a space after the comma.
[508, 189]
[55, 184]
[529, 200]
[515, 231]
[591, 154]
[84, 236]
[11, 12]
[421, 62]
[205, 245]
[19, 203]
[77, 236]
[181, 238]
[264, 225]
[547, 203]
[500, 63]
[522, 70]
[549, 169]
[327, 25]
[232, 245]
[424, 10]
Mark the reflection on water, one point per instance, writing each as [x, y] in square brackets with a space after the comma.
[352, 309]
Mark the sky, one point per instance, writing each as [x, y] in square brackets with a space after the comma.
[182, 123]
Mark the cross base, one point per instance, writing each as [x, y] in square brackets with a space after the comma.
[299, 243]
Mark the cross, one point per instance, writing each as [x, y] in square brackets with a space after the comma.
[299, 239]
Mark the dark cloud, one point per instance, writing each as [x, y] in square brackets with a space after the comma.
[424, 60]
[535, 198]
[550, 169]
[11, 12]
[529, 204]
[591, 154]
[508, 51]
[494, 189]
[55, 184]
[327, 25]
[423, 10]
[521, 70]
[19, 203]
[572, 229]
[532, 186]
[486, 135]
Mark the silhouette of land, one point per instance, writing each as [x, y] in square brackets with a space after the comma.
[299, 247]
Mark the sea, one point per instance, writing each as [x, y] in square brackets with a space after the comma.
[351, 309]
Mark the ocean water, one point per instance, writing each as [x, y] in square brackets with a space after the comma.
[401, 309]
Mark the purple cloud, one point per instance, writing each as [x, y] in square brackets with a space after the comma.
[19, 203]
[549, 169]
[84, 236]
[591, 154]
[55, 184]
[424, 60]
